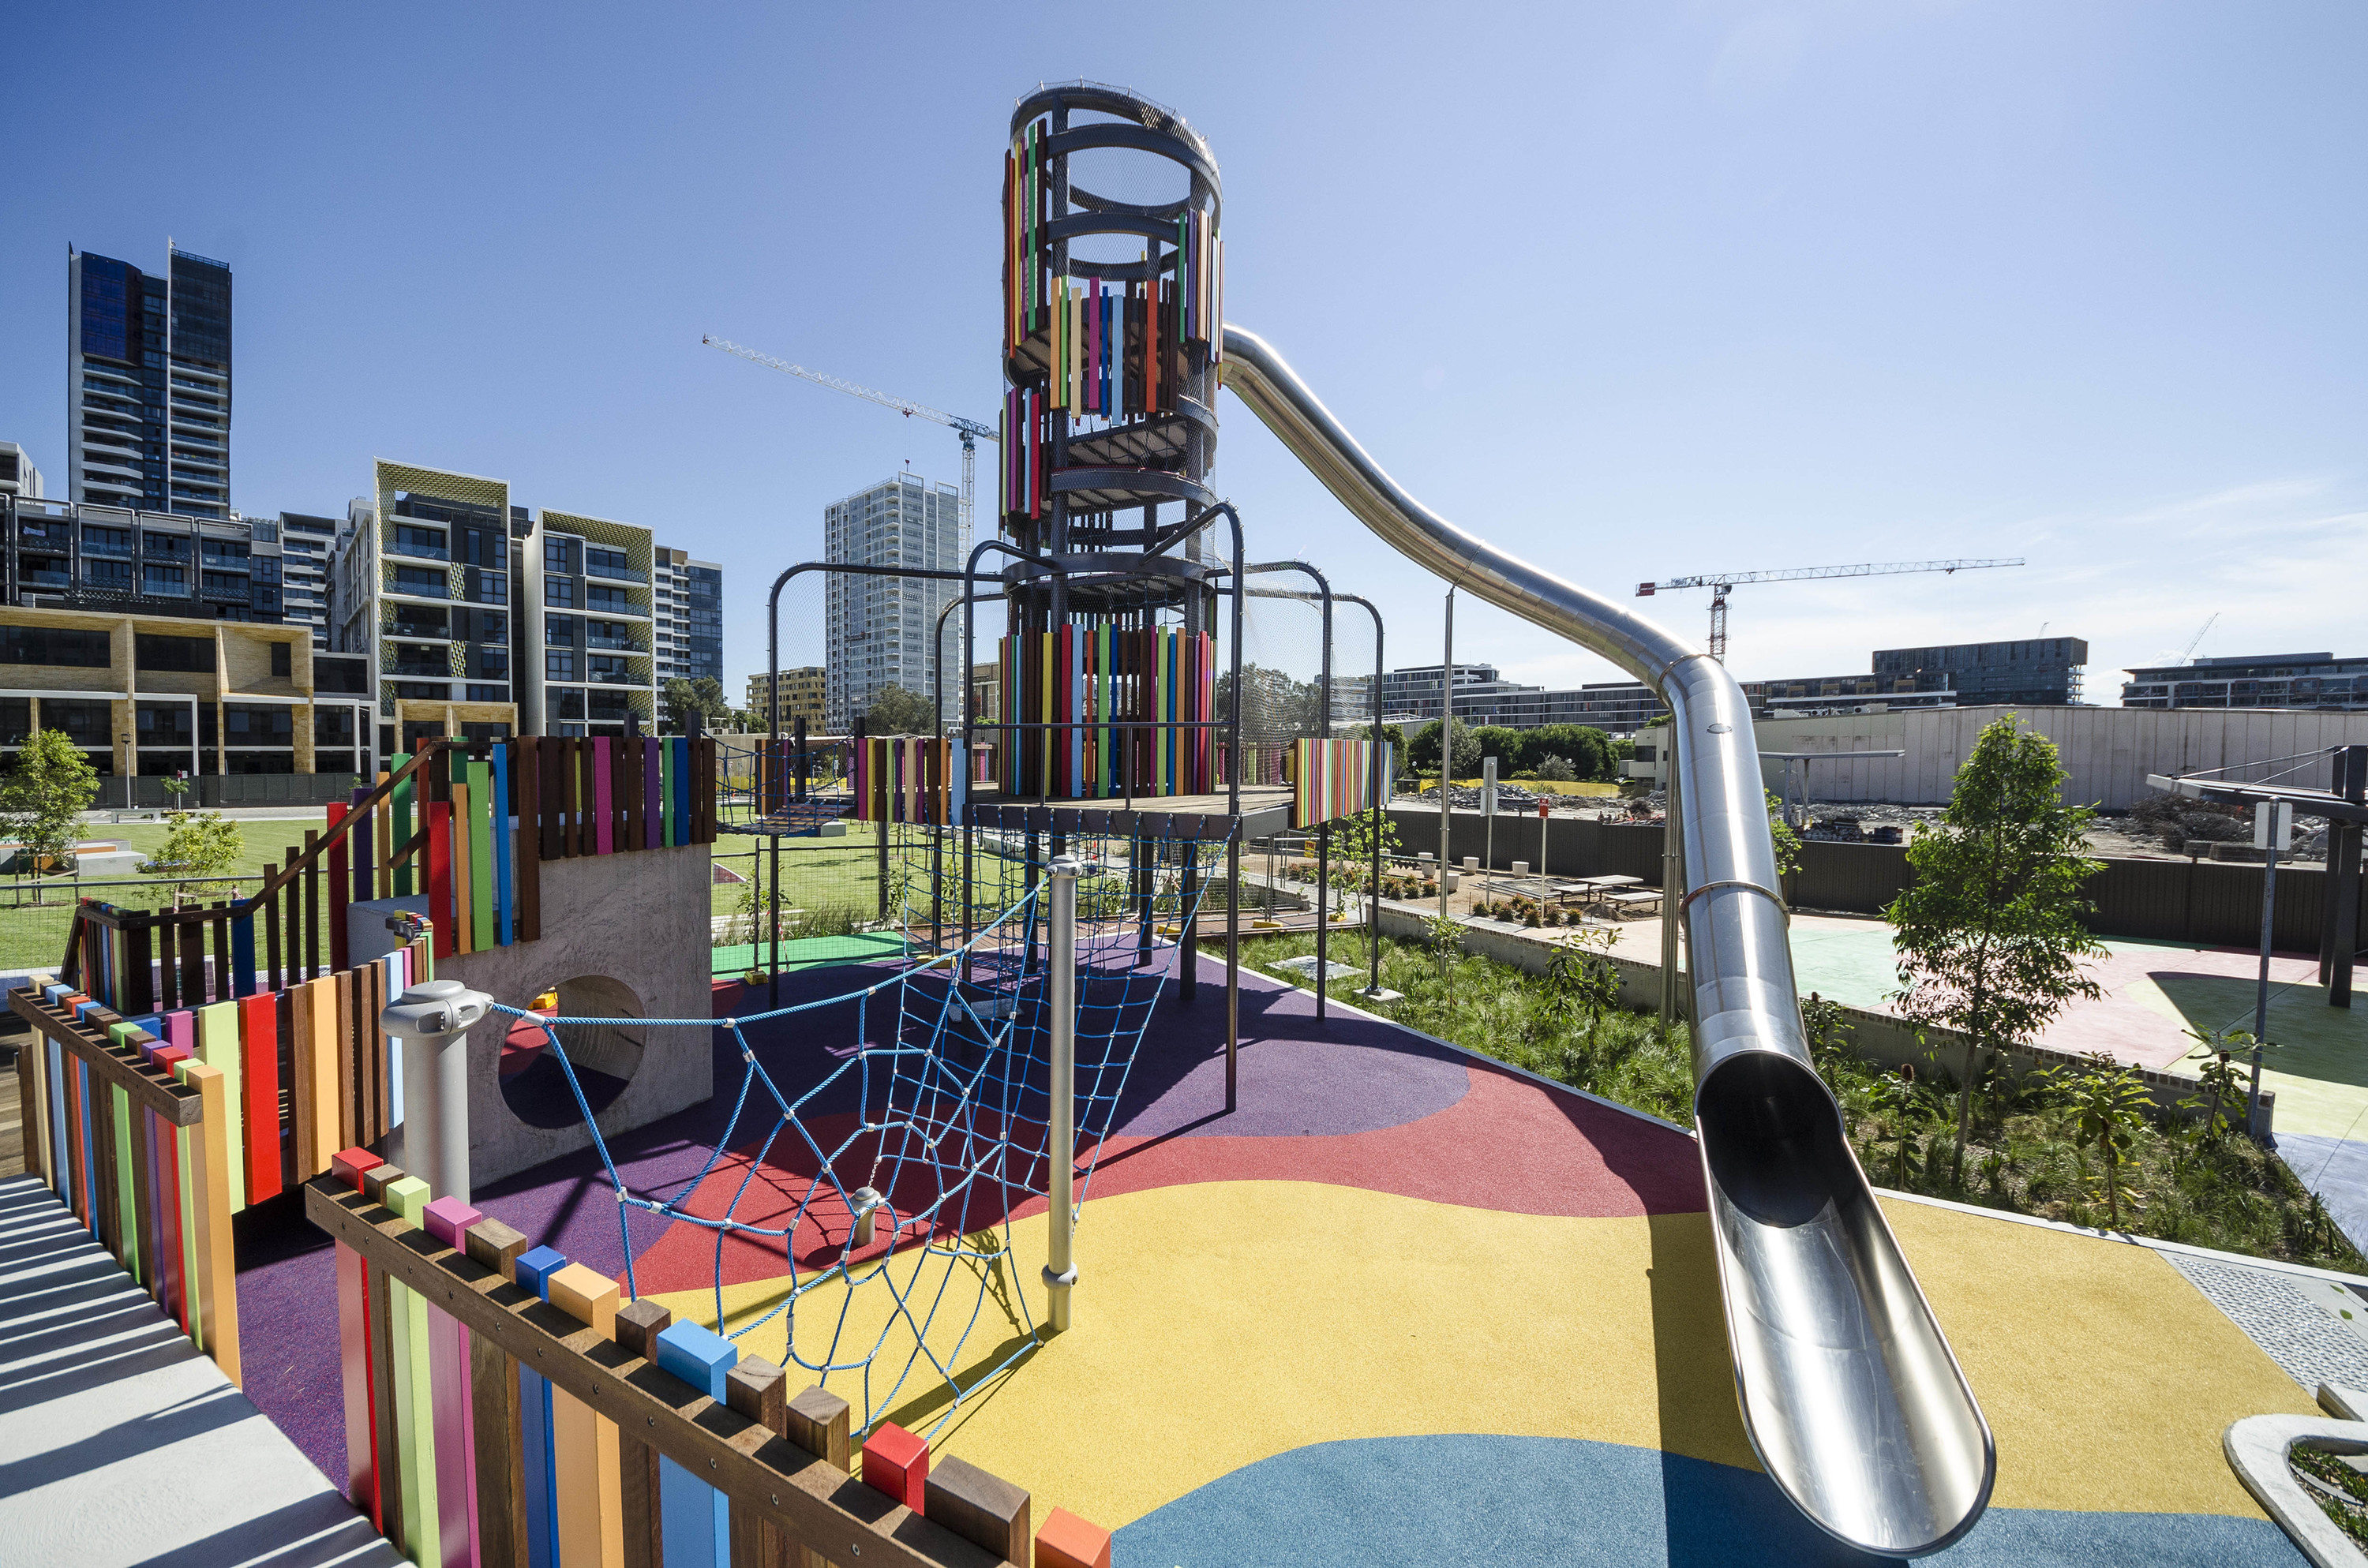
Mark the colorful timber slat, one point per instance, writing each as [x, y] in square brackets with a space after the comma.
[1330, 779]
[907, 778]
[137, 1134]
[1109, 712]
[503, 1405]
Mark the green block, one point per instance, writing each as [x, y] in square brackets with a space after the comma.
[218, 1047]
[415, 1395]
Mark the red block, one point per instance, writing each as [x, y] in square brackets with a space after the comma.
[1069, 1541]
[897, 1462]
[347, 1165]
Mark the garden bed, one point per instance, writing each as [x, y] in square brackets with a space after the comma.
[2179, 1182]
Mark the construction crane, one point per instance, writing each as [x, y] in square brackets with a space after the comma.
[970, 430]
[2187, 654]
[1721, 582]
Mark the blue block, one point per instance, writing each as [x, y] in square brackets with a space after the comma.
[542, 1481]
[695, 1518]
[535, 1269]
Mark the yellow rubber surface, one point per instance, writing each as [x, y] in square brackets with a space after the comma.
[1222, 1323]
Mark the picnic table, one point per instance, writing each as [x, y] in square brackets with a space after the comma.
[1626, 903]
[1595, 889]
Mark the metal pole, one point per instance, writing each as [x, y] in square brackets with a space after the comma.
[2272, 817]
[432, 1020]
[1060, 1004]
[1446, 742]
[1670, 828]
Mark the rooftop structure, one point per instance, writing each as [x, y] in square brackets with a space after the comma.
[17, 474]
[2253, 680]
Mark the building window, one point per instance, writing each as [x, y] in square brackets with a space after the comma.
[487, 694]
[53, 645]
[164, 582]
[423, 580]
[559, 631]
[155, 651]
[559, 591]
[558, 664]
[283, 658]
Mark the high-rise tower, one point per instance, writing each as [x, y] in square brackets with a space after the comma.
[148, 383]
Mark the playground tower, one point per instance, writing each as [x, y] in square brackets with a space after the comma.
[1114, 305]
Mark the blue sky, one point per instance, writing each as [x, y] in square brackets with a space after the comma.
[1634, 290]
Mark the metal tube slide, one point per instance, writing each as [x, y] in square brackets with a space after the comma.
[1850, 1394]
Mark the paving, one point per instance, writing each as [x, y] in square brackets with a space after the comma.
[120, 1443]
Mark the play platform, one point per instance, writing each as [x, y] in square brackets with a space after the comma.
[1405, 1301]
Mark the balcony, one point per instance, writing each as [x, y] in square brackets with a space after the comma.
[427, 669]
[45, 579]
[614, 644]
[614, 574]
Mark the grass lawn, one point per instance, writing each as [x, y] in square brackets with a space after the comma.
[2179, 1184]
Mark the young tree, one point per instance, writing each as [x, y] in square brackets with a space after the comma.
[1463, 756]
[196, 844]
[43, 797]
[896, 711]
[1988, 936]
[2108, 1104]
[1787, 842]
[704, 697]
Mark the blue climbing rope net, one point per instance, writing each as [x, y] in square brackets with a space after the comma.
[879, 1175]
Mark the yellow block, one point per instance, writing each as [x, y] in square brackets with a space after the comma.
[584, 1446]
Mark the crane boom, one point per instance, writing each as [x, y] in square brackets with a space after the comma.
[905, 406]
[1720, 583]
[1804, 573]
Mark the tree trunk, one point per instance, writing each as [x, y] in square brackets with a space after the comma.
[1965, 1109]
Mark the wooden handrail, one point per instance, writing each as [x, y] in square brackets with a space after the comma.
[175, 1102]
[817, 1505]
[429, 745]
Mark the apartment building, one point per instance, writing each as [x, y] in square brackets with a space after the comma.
[1411, 696]
[2253, 680]
[687, 632]
[802, 696]
[590, 589]
[17, 474]
[880, 631]
[483, 619]
[148, 383]
[306, 543]
[154, 641]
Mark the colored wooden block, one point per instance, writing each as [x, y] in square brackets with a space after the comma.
[377, 1179]
[347, 1165]
[456, 1463]
[318, 1042]
[500, 1481]
[218, 1047]
[695, 1521]
[1069, 1541]
[446, 1219]
[897, 1463]
[496, 1246]
[819, 1422]
[210, 1162]
[353, 1364]
[983, 1510]
[535, 1470]
[536, 1267]
[759, 1391]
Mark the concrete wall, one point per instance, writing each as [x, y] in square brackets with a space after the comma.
[2108, 752]
[639, 920]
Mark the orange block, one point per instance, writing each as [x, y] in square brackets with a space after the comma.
[897, 1463]
[1069, 1541]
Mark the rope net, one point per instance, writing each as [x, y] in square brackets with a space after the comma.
[889, 1195]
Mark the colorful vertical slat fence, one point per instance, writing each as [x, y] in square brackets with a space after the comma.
[1102, 711]
[1330, 779]
[913, 778]
[504, 1406]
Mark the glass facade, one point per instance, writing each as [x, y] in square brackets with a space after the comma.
[148, 385]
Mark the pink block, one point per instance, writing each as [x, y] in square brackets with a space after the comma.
[604, 809]
[181, 1029]
[447, 1218]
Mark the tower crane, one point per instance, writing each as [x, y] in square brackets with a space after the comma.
[2187, 654]
[1721, 582]
[970, 430]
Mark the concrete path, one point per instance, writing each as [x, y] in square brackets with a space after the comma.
[119, 1444]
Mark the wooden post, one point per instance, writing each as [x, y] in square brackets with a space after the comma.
[759, 1391]
[494, 1394]
[981, 1508]
[639, 1323]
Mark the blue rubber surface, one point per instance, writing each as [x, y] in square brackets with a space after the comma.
[1569, 1504]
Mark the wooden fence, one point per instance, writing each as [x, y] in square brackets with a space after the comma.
[504, 1407]
[135, 1135]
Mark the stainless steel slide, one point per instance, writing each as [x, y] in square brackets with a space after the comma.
[1850, 1394]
